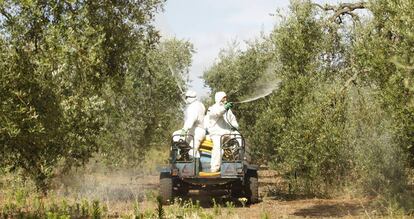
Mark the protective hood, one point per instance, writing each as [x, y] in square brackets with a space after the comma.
[190, 96]
[219, 96]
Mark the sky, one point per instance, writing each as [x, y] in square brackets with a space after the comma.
[212, 25]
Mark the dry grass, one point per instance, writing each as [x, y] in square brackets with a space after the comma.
[126, 194]
[123, 193]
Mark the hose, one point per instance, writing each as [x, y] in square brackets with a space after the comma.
[229, 123]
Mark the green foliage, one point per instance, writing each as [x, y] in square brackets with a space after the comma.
[40, 209]
[264, 215]
[240, 73]
[311, 148]
[81, 77]
[160, 210]
[216, 208]
[343, 113]
[96, 210]
[378, 162]
[298, 69]
[384, 53]
[186, 209]
[143, 113]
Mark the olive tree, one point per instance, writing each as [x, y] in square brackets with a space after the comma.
[57, 58]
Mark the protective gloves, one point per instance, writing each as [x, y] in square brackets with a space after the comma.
[228, 105]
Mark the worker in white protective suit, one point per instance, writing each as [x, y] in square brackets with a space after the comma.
[221, 121]
[193, 123]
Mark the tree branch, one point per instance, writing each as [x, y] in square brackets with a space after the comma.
[5, 14]
[342, 9]
[351, 79]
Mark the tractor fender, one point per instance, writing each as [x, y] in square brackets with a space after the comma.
[253, 167]
[164, 169]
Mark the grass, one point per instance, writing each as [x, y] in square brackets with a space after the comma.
[20, 203]
[38, 207]
[98, 192]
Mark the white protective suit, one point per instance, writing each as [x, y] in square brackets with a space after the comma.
[193, 122]
[220, 122]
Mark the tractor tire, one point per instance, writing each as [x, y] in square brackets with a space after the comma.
[182, 189]
[252, 186]
[166, 188]
[236, 189]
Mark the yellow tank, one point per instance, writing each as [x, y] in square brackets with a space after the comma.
[206, 145]
[209, 174]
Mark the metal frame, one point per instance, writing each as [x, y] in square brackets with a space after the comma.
[194, 180]
[175, 150]
[231, 137]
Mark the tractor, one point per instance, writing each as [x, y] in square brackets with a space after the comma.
[185, 172]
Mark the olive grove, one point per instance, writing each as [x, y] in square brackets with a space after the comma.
[342, 115]
[83, 79]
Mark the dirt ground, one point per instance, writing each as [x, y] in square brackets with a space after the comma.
[274, 207]
[120, 193]
[279, 205]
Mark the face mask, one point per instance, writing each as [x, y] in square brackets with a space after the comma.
[189, 100]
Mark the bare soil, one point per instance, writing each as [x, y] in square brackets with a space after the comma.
[122, 190]
[274, 205]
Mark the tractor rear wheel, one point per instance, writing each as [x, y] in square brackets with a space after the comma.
[252, 186]
[166, 188]
[236, 189]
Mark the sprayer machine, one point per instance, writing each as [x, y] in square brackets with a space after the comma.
[186, 172]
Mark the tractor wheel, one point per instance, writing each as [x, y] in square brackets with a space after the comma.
[182, 189]
[252, 186]
[236, 189]
[166, 188]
